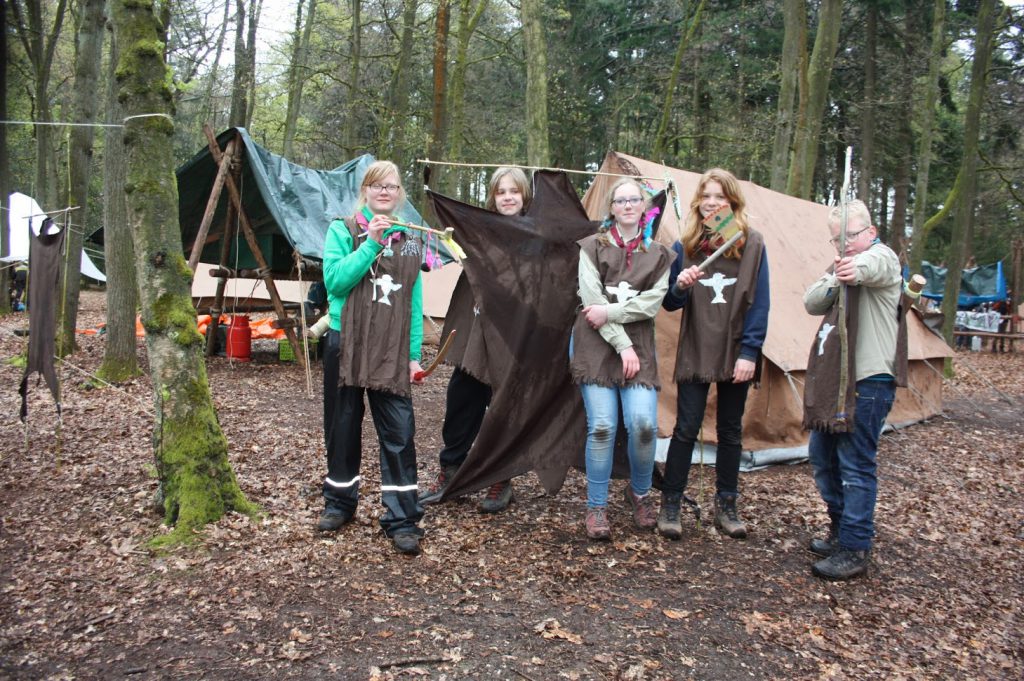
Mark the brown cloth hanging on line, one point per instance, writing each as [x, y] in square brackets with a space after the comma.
[44, 266]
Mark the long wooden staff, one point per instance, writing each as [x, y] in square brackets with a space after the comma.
[844, 343]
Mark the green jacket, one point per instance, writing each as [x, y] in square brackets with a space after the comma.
[345, 267]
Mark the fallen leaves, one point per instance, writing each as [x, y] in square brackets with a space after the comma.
[552, 629]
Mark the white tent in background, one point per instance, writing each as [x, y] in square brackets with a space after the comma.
[24, 214]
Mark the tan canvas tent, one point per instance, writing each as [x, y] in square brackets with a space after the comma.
[796, 238]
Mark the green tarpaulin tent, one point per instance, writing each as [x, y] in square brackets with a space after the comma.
[289, 206]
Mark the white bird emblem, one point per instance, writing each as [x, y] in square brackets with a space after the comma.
[387, 286]
[718, 282]
[826, 329]
[623, 292]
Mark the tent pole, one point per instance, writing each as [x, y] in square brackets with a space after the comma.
[218, 300]
[283, 320]
[211, 206]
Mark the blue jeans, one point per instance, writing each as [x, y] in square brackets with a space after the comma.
[845, 468]
[640, 413]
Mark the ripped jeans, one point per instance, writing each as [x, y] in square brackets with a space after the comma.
[640, 413]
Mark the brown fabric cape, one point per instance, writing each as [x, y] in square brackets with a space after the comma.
[468, 350]
[523, 274]
[44, 259]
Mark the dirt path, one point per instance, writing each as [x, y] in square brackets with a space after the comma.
[520, 595]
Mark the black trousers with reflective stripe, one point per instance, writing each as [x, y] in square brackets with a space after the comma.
[393, 419]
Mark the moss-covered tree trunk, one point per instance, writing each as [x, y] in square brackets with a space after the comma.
[198, 483]
[120, 360]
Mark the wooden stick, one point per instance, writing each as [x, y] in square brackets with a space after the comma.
[250, 238]
[446, 234]
[559, 170]
[721, 249]
[844, 347]
[211, 206]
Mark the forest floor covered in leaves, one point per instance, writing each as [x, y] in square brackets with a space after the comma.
[518, 595]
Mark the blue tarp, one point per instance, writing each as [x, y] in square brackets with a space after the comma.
[984, 284]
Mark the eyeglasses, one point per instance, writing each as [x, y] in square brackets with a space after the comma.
[378, 188]
[632, 201]
[850, 236]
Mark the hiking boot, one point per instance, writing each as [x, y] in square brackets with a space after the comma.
[827, 546]
[597, 523]
[332, 519]
[843, 564]
[432, 494]
[499, 496]
[407, 543]
[669, 525]
[727, 520]
[644, 514]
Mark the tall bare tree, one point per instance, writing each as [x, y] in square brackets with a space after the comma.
[967, 177]
[792, 71]
[88, 55]
[5, 246]
[243, 89]
[40, 43]
[868, 104]
[535, 44]
[926, 132]
[398, 89]
[686, 31]
[439, 119]
[819, 72]
[297, 72]
[469, 17]
[355, 105]
[196, 478]
[120, 360]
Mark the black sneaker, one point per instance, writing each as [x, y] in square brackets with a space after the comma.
[432, 494]
[499, 496]
[407, 543]
[332, 519]
[843, 564]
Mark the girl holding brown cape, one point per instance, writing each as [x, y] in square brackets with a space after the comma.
[724, 323]
[623, 276]
[469, 392]
[372, 275]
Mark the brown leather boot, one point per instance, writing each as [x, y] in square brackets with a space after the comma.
[727, 519]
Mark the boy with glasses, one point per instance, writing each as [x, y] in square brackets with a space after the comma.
[843, 445]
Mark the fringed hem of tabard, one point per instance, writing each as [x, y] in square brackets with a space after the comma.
[579, 379]
[830, 426]
[390, 389]
[468, 372]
